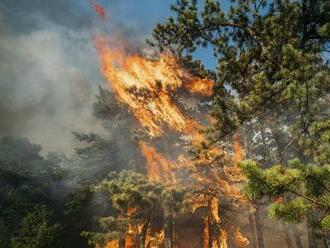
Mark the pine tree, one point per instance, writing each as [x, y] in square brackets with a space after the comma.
[295, 190]
[139, 205]
[272, 74]
[37, 230]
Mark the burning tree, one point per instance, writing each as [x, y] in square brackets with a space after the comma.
[273, 77]
[215, 178]
[165, 99]
[141, 206]
[260, 67]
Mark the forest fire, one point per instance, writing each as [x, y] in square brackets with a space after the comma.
[158, 167]
[149, 88]
[213, 132]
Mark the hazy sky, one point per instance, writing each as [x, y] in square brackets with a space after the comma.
[49, 69]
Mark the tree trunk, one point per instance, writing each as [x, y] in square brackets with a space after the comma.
[259, 228]
[169, 231]
[311, 233]
[218, 236]
[265, 150]
[325, 241]
[296, 236]
[122, 242]
[287, 235]
[206, 232]
[143, 234]
[280, 145]
[254, 236]
[215, 231]
[217, 239]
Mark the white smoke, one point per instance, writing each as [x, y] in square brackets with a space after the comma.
[48, 81]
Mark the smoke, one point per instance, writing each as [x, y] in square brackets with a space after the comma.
[49, 71]
[24, 16]
[48, 65]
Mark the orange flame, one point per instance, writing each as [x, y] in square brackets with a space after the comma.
[158, 167]
[147, 86]
[238, 150]
[240, 240]
[112, 244]
[223, 238]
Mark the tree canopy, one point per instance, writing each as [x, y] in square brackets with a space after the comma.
[273, 83]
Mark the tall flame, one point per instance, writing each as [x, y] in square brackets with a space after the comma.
[147, 86]
[158, 166]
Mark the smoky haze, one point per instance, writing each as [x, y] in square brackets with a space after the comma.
[49, 71]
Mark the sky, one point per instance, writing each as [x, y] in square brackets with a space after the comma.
[49, 68]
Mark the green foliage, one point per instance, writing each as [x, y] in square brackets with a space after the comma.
[80, 199]
[107, 106]
[271, 77]
[130, 190]
[296, 191]
[111, 149]
[293, 211]
[26, 180]
[273, 83]
[37, 230]
[20, 156]
[325, 201]
[98, 155]
[317, 179]
[325, 223]
[274, 181]
[257, 60]
[136, 201]
[173, 197]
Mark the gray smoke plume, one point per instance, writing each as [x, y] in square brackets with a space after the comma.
[49, 71]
